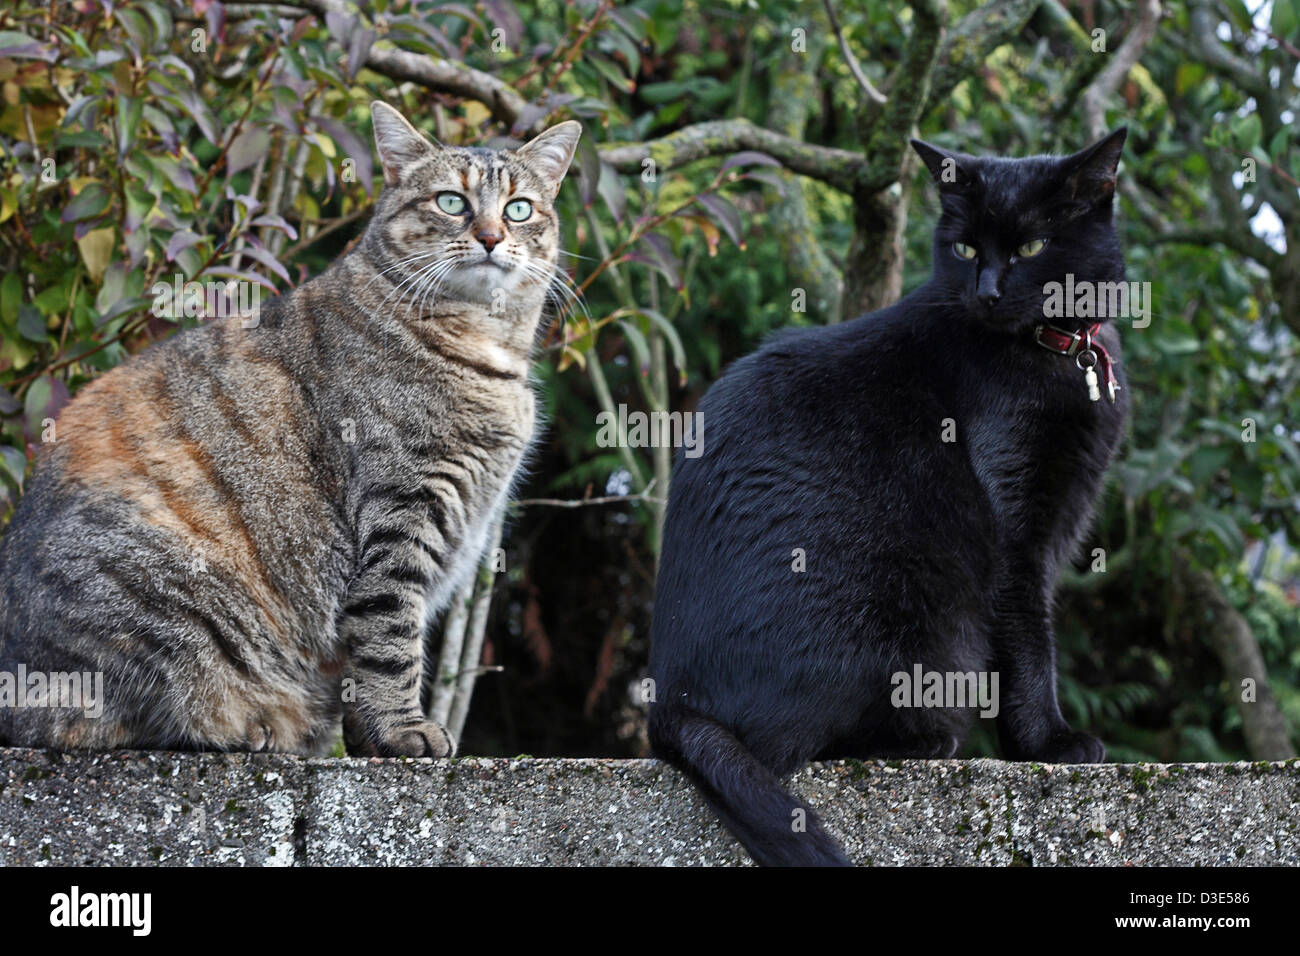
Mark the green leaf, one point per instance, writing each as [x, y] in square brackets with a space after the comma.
[85, 138]
[137, 27]
[14, 463]
[11, 296]
[637, 343]
[670, 333]
[44, 398]
[31, 324]
[1285, 19]
[1247, 131]
[87, 204]
[129, 110]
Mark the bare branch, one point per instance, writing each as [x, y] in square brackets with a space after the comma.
[472, 654]
[583, 502]
[854, 67]
[1124, 59]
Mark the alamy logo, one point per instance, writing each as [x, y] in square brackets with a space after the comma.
[683, 430]
[923, 688]
[133, 910]
[76, 690]
[210, 299]
[1098, 300]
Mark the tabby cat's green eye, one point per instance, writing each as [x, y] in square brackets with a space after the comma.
[1032, 248]
[519, 210]
[452, 204]
[963, 251]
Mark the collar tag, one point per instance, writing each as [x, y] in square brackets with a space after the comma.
[1089, 356]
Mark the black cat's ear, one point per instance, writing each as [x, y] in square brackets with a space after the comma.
[1090, 173]
[399, 143]
[947, 168]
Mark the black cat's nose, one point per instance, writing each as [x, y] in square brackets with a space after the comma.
[986, 289]
[489, 239]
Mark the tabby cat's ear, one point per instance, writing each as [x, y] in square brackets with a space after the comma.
[946, 168]
[400, 144]
[1090, 173]
[550, 153]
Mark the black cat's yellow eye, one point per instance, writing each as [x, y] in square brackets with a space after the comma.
[519, 210]
[963, 251]
[1032, 248]
[453, 204]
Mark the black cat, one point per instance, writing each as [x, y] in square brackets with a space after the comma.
[895, 491]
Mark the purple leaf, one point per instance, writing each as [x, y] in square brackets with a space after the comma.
[249, 146]
[724, 214]
[588, 170]
[243, 275]
[276, 222]
[350, 146]
[340, 26]
[8, 404]
[749, 158]
[181, 240]
[81, 229]
[767, 176]
[358, 49]
[505, 16]
[19, 46]
[611, 189]
[268, 260]
[659, 254]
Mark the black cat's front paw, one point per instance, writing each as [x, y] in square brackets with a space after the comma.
[1071, 746]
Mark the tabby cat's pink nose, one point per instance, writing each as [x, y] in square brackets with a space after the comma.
[489, 239]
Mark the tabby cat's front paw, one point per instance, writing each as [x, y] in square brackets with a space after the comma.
[1072, 746]
[425, 739]
[421, 738]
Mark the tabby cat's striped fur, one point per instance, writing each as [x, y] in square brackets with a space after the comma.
[246, 530]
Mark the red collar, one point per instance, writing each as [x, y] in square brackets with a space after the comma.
[1087, 353]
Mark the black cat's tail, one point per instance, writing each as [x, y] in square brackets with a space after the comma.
[748, 797]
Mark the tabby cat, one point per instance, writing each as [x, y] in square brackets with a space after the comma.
[247, 530]
[891, 496]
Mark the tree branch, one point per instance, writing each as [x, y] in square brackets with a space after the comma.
[793, 93]
[1262, 722]
[1248, 244]
[840, 168]
[908, 95]
[969, 43]
[1211, 51]
[504, 102]
[837, 167]
[854, 67]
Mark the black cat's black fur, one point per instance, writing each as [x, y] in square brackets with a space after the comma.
[825, 450]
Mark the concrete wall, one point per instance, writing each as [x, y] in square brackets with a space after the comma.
[209, 809]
